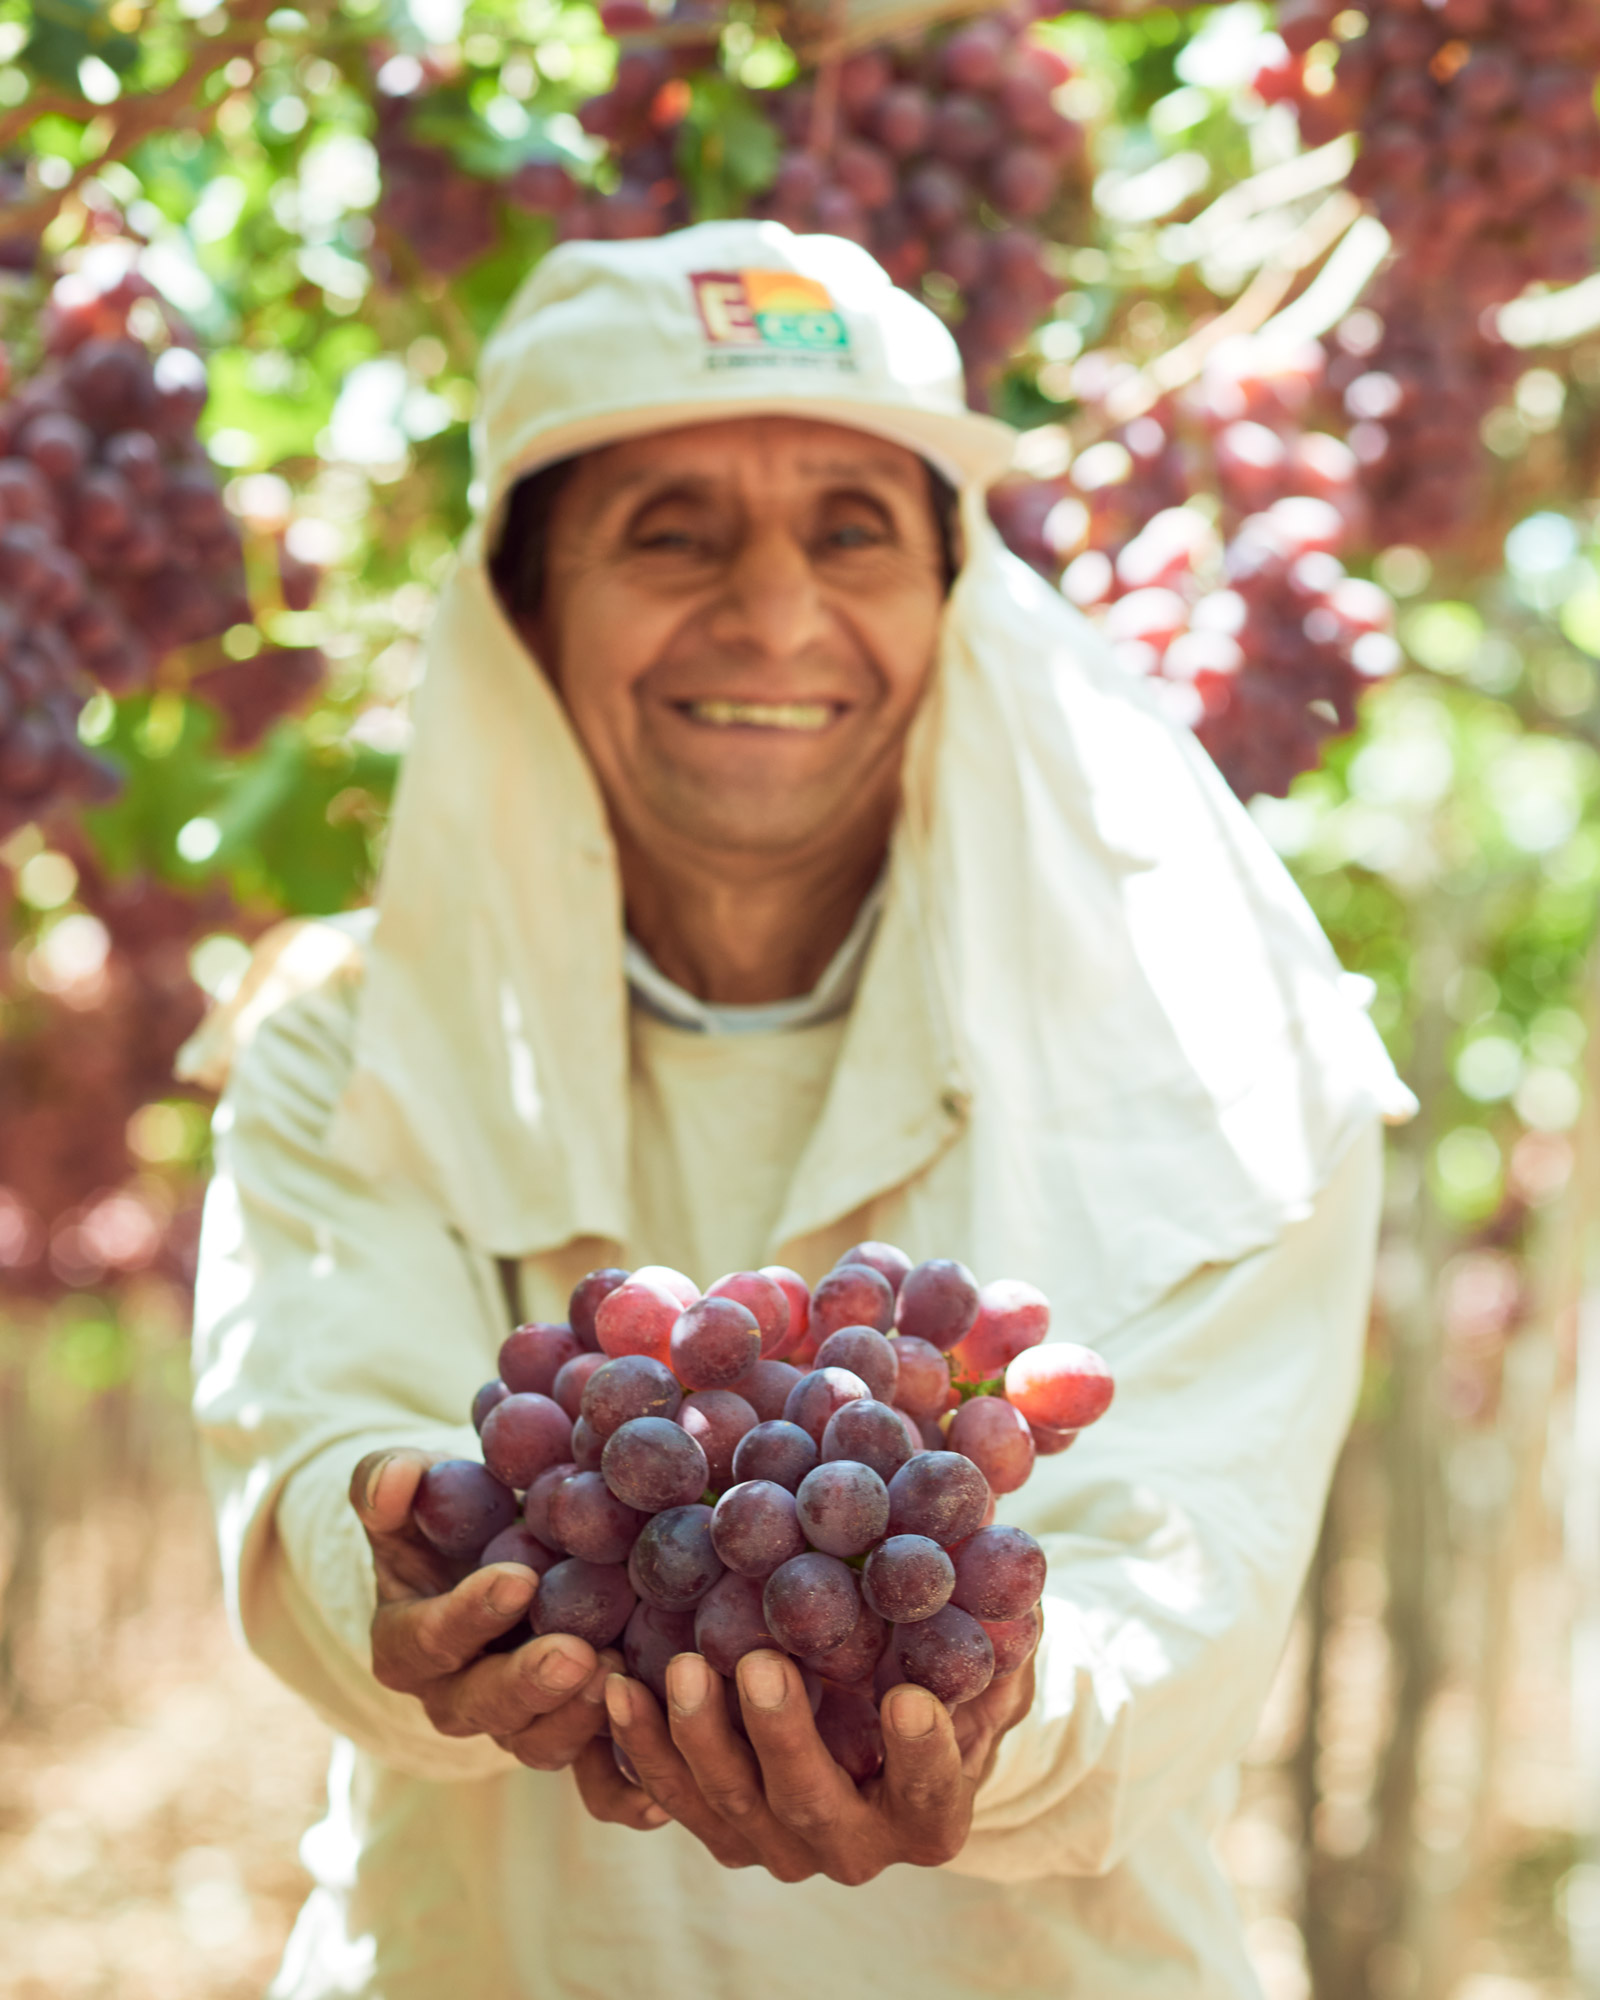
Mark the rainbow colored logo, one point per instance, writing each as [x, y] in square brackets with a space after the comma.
[768, 309]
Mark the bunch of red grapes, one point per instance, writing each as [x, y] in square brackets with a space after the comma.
[763, 1466]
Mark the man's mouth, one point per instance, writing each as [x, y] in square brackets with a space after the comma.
[803, 717]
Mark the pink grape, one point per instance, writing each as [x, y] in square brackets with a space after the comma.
[843, 1508]
[571, 1380]
[851, 1733]
[1050, 1444]
[729, 1622]
[516, 1545]
[994, 1435]
[523, 1435]
[810, 1603]
[713, 1343]
[928, 1429]
[1012, 1317]
[592, 1601]
[949, 1654]
[816, 1396]
[588, 1446]
[485, 1400]
[870, 1434]
[890, 1262]
[674, 1562]
[939, 1494]
[866, 1353]
[1013, 1640]
[798, 1294]
[922, 1379]
[652, 1463]
[766, 1388]
[999, 1574]
[532, 1356]
[766, 1299]
[460, 1507]
[853, 1661]
[637, 1318]
[631, 1386]
[717, 1419]
[652, 1639]
[755, 1526]
[683, 1289]
[590, 1521]
[907, 1578]
[778, 1451]
[938, 1303]
[1061, 1387]
[536, 1502]
[851, 1295]
[585, 1300]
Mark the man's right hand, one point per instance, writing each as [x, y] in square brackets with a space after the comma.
[542, 1702]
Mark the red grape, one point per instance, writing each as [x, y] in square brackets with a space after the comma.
[1050, 1444]
[855, 1658]
[843, 1507]
[674, 1562]
[1061, 1387]
[592, 1601]
[714, 1342]
[755, 1527]
[524, 1434]
[890, 1262]
[637, 1318]
[460, 1507]
[798, 1295]
[999, 1574]
[816, 1396]
[631, 1386]
[653, 1463]
[851, 1295]
[922, 1379]
[485, 1400]
[938, 1303]
[810, 1603]
[994, 1435]
[766, 1388]
[949, 1654]
[585, 1300]
[1012, 1317]
[851, 1733]
[516, 1545]
[871, 1434]
[940, 1494]
[729, 1622]
[588, 1446]
[572, 1378]
[866, 1353]
[1013, 1640]
[717, 1419]
[589, 1520]
[532, 1356]
[778, 1451]
[536, 1502]
[652, 1639]
[907, 1578]
[674, 1283]
[766, 1299]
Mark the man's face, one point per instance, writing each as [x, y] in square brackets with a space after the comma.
[741, 618]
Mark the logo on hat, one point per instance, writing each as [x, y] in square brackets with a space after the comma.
[768, 309]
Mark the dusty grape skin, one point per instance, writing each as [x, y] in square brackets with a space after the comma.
[652, 1638]
[949, 1654]
[590, 1521]
[523, 1435]
[851, 1295]
[938, 1303]
[536, 1502]
[652, 1463]
[592, 1601]
[637, 1318]
[674, 1283]
[1061, 1387]
[713, 1343]
[907, 1578]
[586, 1296]
[766, 1388]
[798, 1293]
[1013, 1640]
[631, 1386]
[1050, 1444]
[815, 1397]
[754, 1527]
[843, 1507]
[532, 1356]
[1000, 1575]
[673, 1563]
[485, 1400]
[778, 1451]
[810, 1604]
[459, 1506]
[588, 1447]
[717, 1419]
[994, 1435]
[766, 1299]
[852, 1662]
[871, 1434]
[864, 1352]
[572, 1379]
[889, 1261]
[922, 1380]
[889, 1672]
[851, 1733]
[516, 1545]
[729, 1622]
[939, 1494]
[1012, 1317]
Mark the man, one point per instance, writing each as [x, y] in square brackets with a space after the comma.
[755, 887]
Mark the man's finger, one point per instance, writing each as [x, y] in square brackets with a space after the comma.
[607, 1793]
[637, 1725]
[417, 1641]
[807, 1792]
[505, 1692]
[383, 1488]
[550, 1742]
[725, 1770]
[926, 1794]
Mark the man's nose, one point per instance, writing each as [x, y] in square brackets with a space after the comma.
[771, 601]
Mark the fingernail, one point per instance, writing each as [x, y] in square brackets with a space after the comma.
[762, 1678]
[507, 1595]
[654, 1816]
[561, 1673]
[619, 1701]
[913, 1712]
[370, 1497]
[596, 1689]
[688, 1683]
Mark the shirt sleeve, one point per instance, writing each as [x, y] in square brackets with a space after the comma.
[331, 1318]
[1178, 1531]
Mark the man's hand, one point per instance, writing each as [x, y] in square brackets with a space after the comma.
[780, 1802]
[543, 1702]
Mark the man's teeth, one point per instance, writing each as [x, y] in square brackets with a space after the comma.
[763, 714]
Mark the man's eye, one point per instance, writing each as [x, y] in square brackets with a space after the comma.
[854, 535]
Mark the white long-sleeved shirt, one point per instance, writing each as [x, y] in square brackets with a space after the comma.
[336, 1315]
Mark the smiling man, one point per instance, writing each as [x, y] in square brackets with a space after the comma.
[779, 863]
